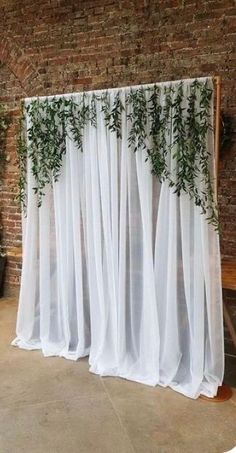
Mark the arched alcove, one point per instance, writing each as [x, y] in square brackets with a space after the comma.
[20, 65]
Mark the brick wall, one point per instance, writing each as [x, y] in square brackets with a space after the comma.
[56, 46]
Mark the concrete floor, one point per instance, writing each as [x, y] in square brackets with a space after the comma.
[52, 405]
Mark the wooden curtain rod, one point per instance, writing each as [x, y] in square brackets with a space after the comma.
[100, 91]
[217, 82]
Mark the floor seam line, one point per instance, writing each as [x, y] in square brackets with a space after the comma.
[118, 416]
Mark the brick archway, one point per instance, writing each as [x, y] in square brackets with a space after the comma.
[19, 64]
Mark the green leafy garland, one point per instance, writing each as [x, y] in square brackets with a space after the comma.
[173, 133]
[4, 124]
[22, 160]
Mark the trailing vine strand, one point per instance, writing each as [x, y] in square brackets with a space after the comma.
[171, 125]
[22, 159]
[4, 124]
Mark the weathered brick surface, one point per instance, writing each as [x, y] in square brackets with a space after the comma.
[56, 46]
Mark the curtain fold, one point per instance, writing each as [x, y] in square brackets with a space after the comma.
[118, 267]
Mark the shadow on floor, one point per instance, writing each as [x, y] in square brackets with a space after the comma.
[230, 370]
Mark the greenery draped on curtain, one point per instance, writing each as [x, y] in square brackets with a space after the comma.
[174, 129]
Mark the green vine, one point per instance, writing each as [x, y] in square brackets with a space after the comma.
[138, 119]
[22, 160]
[207, 199]
[112, 114]
[158, 152]
[171, 126]
[78, 116]
[4, 124]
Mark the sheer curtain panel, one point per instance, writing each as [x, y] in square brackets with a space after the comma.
[117, 264]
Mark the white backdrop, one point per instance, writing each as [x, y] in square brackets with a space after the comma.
[117, 267]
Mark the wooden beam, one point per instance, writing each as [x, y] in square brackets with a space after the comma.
[217, 81]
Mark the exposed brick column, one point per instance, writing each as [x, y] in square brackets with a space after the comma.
[29, 80]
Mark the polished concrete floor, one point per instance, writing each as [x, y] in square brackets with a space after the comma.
[52, 405]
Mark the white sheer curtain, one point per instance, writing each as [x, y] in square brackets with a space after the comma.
[117, 267]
